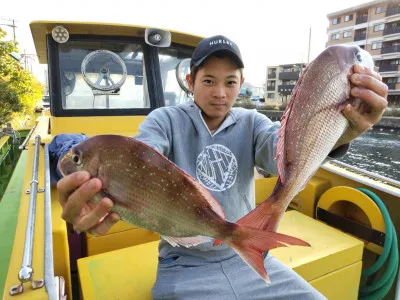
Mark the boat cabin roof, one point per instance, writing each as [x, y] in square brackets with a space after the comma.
[41, 29]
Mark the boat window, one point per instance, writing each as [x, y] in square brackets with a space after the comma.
[169, 62]
[102, 75]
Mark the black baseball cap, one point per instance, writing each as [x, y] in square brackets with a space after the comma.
[210, 45]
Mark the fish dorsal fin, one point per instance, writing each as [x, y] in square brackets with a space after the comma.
[215, 206]
[280, 147]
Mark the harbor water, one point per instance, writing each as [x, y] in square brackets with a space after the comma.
[377, 151]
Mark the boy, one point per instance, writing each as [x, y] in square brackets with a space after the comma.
[208, 134]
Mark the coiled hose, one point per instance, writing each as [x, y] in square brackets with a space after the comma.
[380, 288]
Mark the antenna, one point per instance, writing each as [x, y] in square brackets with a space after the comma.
[9, 25]
[309, 44]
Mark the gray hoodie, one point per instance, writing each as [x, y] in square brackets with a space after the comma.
[222, 161]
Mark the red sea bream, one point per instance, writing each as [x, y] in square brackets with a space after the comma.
[153, 193]
[311, 126]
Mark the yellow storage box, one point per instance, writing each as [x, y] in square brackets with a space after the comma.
[332, 264]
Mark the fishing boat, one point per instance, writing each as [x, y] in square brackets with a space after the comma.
[105, 79]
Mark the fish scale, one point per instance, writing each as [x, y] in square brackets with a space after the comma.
[153, 190]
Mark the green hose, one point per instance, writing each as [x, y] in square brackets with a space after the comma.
[389, 234]
[380, 288]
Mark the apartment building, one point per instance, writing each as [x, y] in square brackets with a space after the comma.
[281, 80]
[375, 27]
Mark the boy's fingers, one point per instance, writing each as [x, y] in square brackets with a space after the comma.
[77, 199]
[69, 184]
[370, 83]
[357, 121]
[364, 70]
[376, 103]
[105, 226]
[92, 218]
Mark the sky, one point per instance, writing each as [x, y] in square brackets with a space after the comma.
[267, 32]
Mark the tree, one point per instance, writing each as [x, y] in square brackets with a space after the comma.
[19, 89]
[9, 103]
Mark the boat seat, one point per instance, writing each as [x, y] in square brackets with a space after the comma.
[121, 235]
[305, 201]
[332, 264]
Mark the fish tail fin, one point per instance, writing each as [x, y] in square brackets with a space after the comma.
[263, 217]
[250, 243]
[266, 216]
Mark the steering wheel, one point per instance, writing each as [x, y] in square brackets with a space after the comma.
[101, 61]
[68, 80]
[181, 70]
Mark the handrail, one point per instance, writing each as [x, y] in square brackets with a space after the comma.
[370, 179]
[3, 158]
[26, 272]
[23, 145]
[49, 281]
[376, 176]
[3, 140]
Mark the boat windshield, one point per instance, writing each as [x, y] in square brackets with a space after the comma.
[111, 75]
[98, 75]
[171, 73]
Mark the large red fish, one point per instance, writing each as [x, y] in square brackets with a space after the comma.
[151, 192]
[311, 126]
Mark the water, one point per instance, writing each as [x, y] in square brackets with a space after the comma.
[377, 151]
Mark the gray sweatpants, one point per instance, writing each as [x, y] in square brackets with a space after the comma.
[180, 278]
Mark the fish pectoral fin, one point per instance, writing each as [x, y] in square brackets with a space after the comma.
[186, 241]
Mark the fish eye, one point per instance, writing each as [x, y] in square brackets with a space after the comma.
[76, 159]
[359, 58]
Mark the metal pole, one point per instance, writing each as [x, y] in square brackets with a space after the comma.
[30, 227]
[48, 232]
[23, 146]
[25, 58]
[13, 26]
[26, 272]
[309, 45]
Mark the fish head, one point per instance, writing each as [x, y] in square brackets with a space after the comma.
[348, 55]
[329, 74]
[82, 157]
